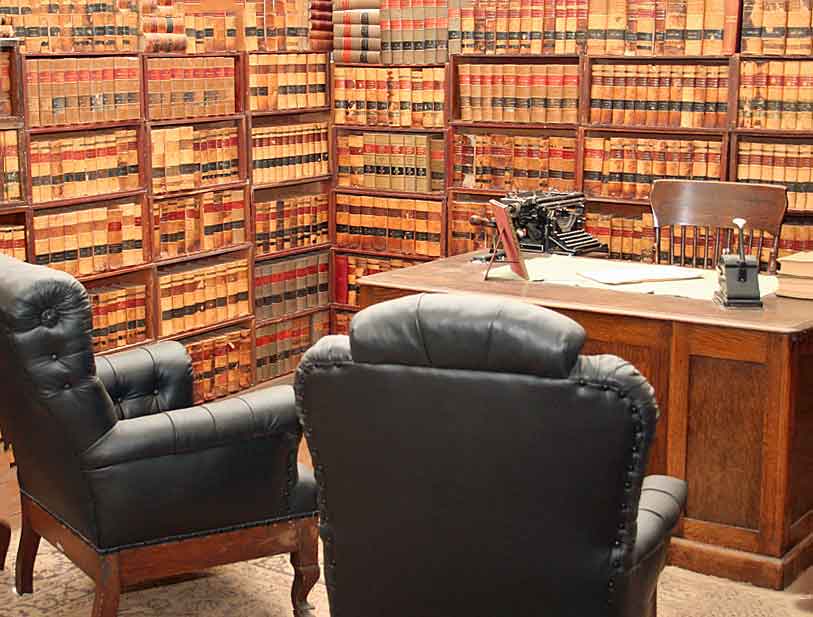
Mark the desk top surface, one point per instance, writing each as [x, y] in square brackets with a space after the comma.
[460, 275]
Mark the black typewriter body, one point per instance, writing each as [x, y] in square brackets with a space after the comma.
[551, 222]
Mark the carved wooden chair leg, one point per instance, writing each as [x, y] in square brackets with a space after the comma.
[5, 541]
[26, 555]
[306, 567]
[108, 588]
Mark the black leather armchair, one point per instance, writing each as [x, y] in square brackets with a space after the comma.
[470, 462]
[121, 472]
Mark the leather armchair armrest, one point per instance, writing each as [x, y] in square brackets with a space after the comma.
[258, 414]
[662, 500]
[147, 380]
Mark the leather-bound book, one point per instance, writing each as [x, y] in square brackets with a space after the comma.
[593, 165]
[774, 26]
[775, 96]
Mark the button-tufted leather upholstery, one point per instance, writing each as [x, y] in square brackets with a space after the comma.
[113, 448]
[471, 462]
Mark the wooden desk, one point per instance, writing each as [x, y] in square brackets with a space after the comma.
[735, 388]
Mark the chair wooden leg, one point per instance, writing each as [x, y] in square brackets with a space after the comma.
[306, 567]
[5, 541]
[108, 588]
[26, 555]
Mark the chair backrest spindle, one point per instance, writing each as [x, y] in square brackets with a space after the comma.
[712, 205]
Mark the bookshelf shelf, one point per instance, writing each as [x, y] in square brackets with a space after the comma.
[226, 250]
[100, 276]
[474, 124]
[203, 189]
[107, 352]
[388, 129]
[670, 130]
[604, 58]
[786, 57]
[373, 253]
[91, 199]
[297, 315]
[11, 123]
[276, 185]
[288, 112]
[477, 191]
[206, 329]
[352, 308]
[497, 58]
[10, 207]
[782, 133]
[356, 190]
[622, 201]
[389, 66]
[80, 54]
[202, 54]
[297, 250]
[800, 213]
[90, 126]
[646, 131]
[196, 120]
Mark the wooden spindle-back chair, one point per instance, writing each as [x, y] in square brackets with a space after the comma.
[693, 220]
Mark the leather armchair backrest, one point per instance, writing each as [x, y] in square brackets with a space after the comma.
[471, 463]
[141, 385]
[53, 406]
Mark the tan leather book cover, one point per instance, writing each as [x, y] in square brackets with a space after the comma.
[790, 95]
[752, 21]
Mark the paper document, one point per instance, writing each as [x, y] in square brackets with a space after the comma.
[641, 274]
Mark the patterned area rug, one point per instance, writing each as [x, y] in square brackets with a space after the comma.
[261, 588]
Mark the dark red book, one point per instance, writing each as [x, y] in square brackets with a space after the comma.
[340, 278]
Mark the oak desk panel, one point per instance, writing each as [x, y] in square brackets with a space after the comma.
[735, 388]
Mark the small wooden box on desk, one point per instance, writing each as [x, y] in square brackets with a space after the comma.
[735, 389]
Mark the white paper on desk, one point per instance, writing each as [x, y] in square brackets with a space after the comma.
[642, 273]
[564, 270]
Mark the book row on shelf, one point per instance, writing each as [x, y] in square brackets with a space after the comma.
[287, 81]
[199, 294]
[290, 222]
[786, 164]
[83, 241]
[190, 87]
[70, 91]
[626, 167]
[391, 161]
[204, 222]
[280, 345]
[381, 31]
[287, 25]
[12, 241]
[221, 363]
[513, 162]
[347, 269]
[776, 95]
[119, 314]
[659, 95]
[194, 156]
[519, 93]
[405, 226]
[291, 285]
[398, 96]
[289, 152]
[83, 164]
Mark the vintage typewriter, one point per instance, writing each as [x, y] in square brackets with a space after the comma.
[550, 222]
